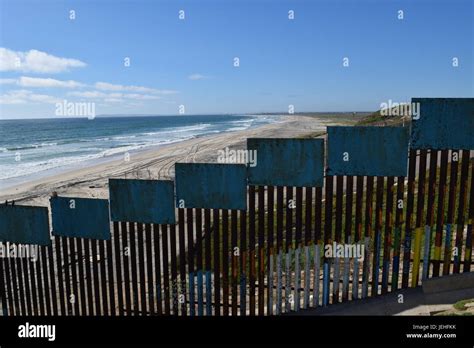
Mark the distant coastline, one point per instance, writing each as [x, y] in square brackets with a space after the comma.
[46, 147]
[89, 179]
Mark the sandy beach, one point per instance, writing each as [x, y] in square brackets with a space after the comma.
[90, 181]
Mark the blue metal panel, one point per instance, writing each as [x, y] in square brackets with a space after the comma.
[443, 124]
[80, 217]
[211, 185]
[373, 151]
[24, 225]
[287, 162]
[144, 201]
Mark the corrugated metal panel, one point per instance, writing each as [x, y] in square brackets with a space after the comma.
[373, 151]
[24, 225]
[212, 186]
[443, 124]
[145, 201]
[287, 162]
[80, 217]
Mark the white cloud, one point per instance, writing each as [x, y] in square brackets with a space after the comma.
[35, 61]
[25, 81]
[8, 81]
[113, 100]
[88, 94]
[141, 96]
[23, 96]
[113, 97]
[195, 77]
[105, 86]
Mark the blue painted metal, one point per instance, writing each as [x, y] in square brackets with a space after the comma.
[378, 239]
[24, 225]
[208, 293]
[158, 291]
[200, 293]
[297, 279]
[279, 284]
[396, 263]
[317, 266]
[385, 266]
[427, 252]
[335, 281]
[355, 280]
[211, 186]
[307, 262]
[287, 162]
[80, 217]
[345, 277]
[288, 282]
[374, 151]
[243, 293]
[270, 286]
[191, 294]
[443, 124]
[447, 241]
[406, 261]
[326, 283]
[366, 268]
[144, 201]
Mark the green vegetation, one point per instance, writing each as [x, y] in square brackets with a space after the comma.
[460, 306]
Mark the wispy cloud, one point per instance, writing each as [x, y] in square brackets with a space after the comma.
[104, 86]
[35, 61]
[113, 97]
[34, 82]
[89, 94]
[195, 77]
[23, 96]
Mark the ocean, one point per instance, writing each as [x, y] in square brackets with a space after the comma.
[34, 148]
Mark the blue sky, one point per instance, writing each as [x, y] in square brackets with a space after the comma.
[189, 62]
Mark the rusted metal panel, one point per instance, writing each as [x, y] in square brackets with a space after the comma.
[145, 201]
[211, 186]
[443, 124]
[24, 224]
[80, 217]
[372, 151]
[286, 162]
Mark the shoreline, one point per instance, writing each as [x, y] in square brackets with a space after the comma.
[91, 180]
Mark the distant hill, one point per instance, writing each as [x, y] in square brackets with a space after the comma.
[387, 117]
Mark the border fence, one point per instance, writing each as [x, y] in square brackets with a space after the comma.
[383, 210]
